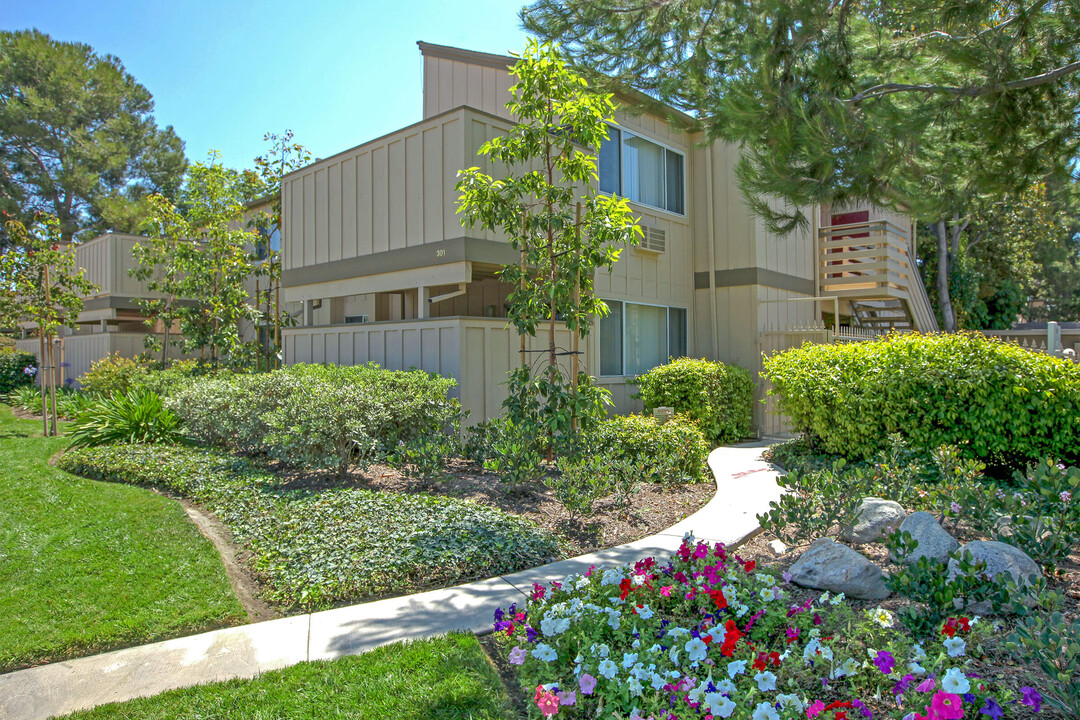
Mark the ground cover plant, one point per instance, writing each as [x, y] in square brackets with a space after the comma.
[994, 401]
[316, 543]
[88, 566]
[445, 678]
[708, 634]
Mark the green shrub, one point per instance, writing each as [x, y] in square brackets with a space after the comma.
[114, 375]
[1051, 642]
[995, 401]
[314, 548]
[579, 483]
[26, 398]
[229, 411]
[718, 396]
[137, 417]
[672, 453]
[13, 374]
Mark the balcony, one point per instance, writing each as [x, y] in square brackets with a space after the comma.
[871, 266]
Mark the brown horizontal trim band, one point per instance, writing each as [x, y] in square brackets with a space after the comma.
[741, 277]
[121, 302]
[472, 57]
[454, 250]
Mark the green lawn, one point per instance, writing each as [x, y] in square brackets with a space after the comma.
[448, 677]
[87, 566]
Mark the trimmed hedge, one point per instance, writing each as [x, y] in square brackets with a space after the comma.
[13, 370]
[718, 397]
[672, 453]
[317, 547]
[994, 400]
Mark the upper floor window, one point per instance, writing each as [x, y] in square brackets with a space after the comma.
[269, 242]
[642, 171]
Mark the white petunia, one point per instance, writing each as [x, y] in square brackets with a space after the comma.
[765, 711]
[635, 687]
[766, 681]
[882, 617]
[545, 652]
[790, 701]
[629, 660]
[673, 655]
[719, 705]
[736, 668]
[725, 686]
[916, 668]
[614, 576]
[955, 646]
[607, 669]
[657, 681]
[696, 650]
[645, 613]
[955, 682]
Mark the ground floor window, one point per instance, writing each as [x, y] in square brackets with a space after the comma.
[635, 337]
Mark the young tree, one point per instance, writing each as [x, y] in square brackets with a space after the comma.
[42, 286]
[77, 138]
[548, 207]
[283, 157]
[918, 105]
[198, 256]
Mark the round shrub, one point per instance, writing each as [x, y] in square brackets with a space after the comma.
[718, 396]
[994, 400]
[672, 453]
[13, 370]
[114, 375]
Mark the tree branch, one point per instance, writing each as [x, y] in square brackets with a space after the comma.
[971, 91]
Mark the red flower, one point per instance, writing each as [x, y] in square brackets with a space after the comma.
[730, 638]
[759, 662]
[965, 624]
[718, 598]
[749, 566]
[948, 630]
[625, 587]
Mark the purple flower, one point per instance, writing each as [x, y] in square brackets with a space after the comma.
[926, 685]
[903, 684]
[517, 656]
[530, 633]
[817, 619]
[1031, 697]
[955, 507]
[1065, 496]
[587, 684]
[30, 370]
[861, 707]
[567, 698]
[992, 709]
[885, 662]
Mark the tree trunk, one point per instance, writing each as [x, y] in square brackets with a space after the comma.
[948, 315]
[41, 382]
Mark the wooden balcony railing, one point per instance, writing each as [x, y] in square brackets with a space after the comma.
[873, 261]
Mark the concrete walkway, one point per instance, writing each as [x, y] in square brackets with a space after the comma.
[745, 485]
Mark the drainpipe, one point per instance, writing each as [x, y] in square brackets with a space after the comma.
[712, 248]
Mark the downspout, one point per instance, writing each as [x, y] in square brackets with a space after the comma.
[712, 248]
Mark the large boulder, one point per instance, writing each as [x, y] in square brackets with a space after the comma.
[934, 542]
[1000, 558]
[828, 565]
[874, 518]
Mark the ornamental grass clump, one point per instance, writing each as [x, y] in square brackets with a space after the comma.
[708, 635]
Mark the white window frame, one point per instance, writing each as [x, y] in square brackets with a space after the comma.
[622, 170]
[622, 358]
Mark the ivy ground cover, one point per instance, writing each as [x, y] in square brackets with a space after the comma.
[88, 566]
[707, 635]
[312, 547]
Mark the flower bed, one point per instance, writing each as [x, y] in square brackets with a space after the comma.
[709, 635]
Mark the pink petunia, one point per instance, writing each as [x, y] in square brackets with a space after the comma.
[947, 706]
[926, 685]
[815, 709]
[666, 591]
[547, 701]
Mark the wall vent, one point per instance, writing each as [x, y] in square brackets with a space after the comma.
[653, 239]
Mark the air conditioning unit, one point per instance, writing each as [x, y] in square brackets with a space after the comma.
[653, 239]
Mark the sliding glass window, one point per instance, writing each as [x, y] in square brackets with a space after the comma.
[642, 171]
[634, 338]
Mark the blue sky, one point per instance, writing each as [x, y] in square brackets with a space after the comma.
[224, 72]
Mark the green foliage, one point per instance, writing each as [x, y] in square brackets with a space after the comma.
[424, 459]
[548, 207]
[579, 483]
[114, 375]
[26, 397]
[937, 596]
[137, 417]
[78, 137]
[995, 401]
[1051, 642]
[197, 249]
[670, 454]
[718, 397]
[13, 373]
[317, 416]
[314, 548]
[1039, 513]
[516, 452]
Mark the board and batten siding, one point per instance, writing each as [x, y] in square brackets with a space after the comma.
[82, 351]
[107, 261]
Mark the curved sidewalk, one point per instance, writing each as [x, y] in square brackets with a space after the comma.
[745, 486]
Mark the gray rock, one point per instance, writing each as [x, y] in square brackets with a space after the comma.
[874, 518]
[828, 565]
[934, 542]
[1000, 558]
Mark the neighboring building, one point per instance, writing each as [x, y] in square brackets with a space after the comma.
[379, 269]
